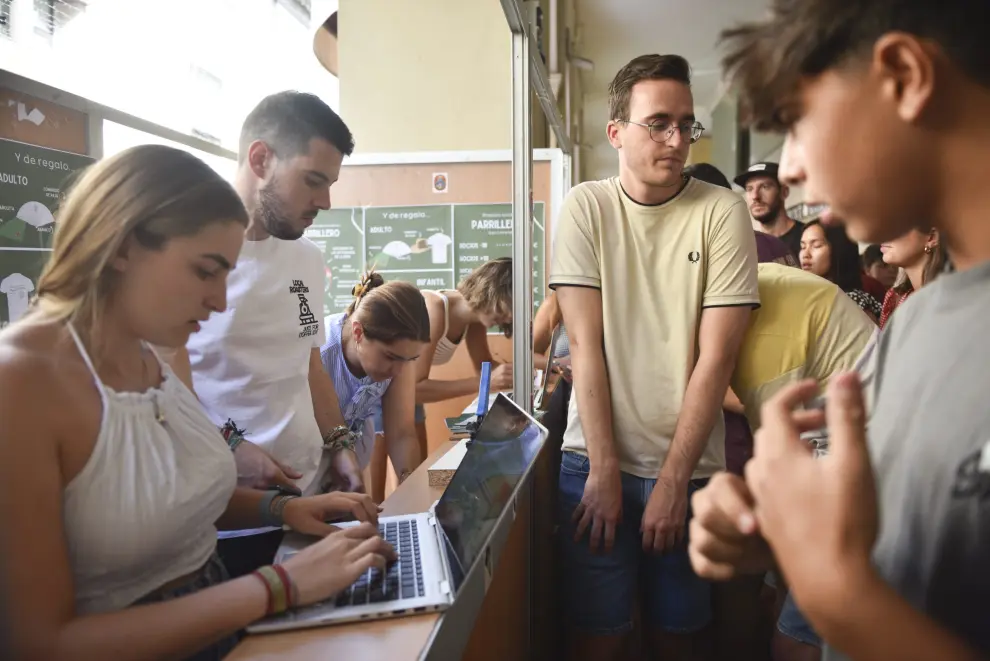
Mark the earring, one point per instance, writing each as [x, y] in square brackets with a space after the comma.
[928, 250]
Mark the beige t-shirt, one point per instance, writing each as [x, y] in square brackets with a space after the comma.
[657, 268]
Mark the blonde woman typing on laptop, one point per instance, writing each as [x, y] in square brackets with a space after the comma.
[370, 355]
[120, 479]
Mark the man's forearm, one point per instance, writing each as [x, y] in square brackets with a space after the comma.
[594, 405]
[243, 510]
[871, 622]
[702, 402]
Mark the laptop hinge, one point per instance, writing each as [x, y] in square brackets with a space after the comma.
[431, 519]
[445, 588]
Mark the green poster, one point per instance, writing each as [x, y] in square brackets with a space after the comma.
[340, 235]
[408, 239]
[424, 279]
[19, 272]
[484, 232]
[31, 184]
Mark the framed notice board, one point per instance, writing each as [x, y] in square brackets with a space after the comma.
[430, 219]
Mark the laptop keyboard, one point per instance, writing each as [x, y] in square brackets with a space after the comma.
[402, 579]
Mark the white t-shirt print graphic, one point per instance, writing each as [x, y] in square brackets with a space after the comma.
[18, 289]
[439, 242]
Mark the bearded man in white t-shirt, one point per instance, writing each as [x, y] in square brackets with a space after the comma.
[257, 362]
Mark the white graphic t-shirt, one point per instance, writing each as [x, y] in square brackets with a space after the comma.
[250, 363]
[18, 289]
[439, 242]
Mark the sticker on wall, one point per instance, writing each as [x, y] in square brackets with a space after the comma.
[440, 182]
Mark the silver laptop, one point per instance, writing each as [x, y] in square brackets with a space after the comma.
[440, 548]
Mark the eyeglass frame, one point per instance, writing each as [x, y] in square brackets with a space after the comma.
[674, 126]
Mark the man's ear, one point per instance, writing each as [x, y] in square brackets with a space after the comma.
[785, 190]
[612, 133]
[260, 158]
[906, 66]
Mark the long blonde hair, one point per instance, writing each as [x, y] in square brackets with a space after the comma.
[151, 193]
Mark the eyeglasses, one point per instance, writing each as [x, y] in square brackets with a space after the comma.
[661, 130]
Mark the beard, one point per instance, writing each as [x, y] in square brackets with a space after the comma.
[770, 215]
[273, 215]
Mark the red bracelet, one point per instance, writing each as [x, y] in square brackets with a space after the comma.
[268, 591]
[290, 588]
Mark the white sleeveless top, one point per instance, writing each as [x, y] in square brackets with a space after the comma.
[142, 511]
[445, 348]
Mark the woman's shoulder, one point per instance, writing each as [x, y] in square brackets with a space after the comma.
[33, 368]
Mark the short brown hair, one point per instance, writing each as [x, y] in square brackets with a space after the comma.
[766, 60]
[389, 311]
[644, 67]
[489, 287]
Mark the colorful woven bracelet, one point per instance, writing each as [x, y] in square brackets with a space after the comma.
[232, 434]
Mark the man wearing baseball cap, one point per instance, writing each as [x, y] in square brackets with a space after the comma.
[765, 196]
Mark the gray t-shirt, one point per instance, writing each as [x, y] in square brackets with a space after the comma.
[929, 431]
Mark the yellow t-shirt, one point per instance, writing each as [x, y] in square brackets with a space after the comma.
[657, 267]
[806, 328]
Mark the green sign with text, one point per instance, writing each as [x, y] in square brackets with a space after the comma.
[32, 183]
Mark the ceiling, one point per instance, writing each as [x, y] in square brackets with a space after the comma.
[612, 32]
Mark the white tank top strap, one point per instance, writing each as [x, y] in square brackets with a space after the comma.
[89, 362]
[445, 347]
[446, 312]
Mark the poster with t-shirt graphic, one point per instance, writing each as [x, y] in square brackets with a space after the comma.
[411, 244]
[32, 184]
[430, 246]
[19, 272]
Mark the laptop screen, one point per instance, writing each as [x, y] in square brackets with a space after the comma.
[502, 450]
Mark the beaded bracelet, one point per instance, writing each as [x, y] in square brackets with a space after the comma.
[271, 507]
[334, 442]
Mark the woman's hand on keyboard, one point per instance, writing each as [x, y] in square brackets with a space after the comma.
[323, 569]
[309, 515]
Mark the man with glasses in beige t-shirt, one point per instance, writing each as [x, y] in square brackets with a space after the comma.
[656, 276]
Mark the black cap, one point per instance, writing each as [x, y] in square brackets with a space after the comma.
[765, 169]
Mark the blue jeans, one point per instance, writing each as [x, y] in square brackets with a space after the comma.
[598, 590]
[793, 625]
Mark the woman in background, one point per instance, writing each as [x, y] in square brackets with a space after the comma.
[920, 256]
[371, 354]
[482, 300]
[829, 253]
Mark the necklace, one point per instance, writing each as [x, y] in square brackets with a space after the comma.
[154, 388]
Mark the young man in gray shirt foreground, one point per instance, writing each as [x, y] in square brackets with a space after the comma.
[885, 542]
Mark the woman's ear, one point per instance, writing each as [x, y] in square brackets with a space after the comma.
[357, 331]
[121, 260]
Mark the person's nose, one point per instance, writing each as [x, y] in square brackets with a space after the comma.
[791, 168]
